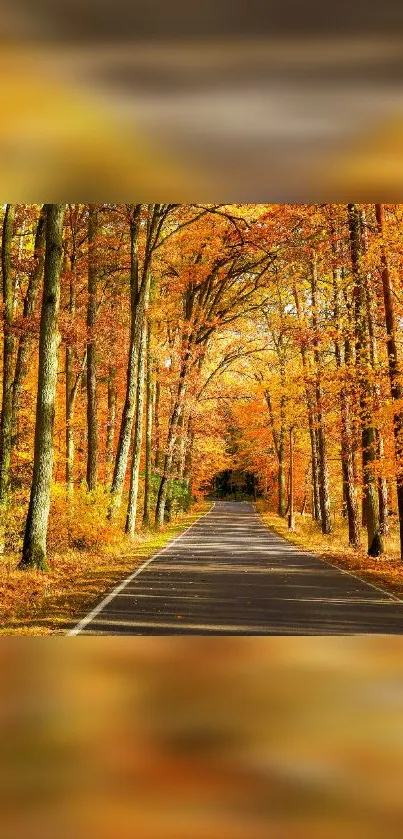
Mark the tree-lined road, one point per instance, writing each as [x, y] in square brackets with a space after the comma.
[229, 575]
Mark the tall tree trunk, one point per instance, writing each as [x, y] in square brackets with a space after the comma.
[281, 483]
[188, 470]
[316, 513]
[138, 301]
[24, 340]
[279, 448]
[383, 498]
[71, 391]
[182, 445]
[149, 432]
[17, 281]
[158, 460]
[70, 447]
[368, 432]
[171, 440]
[282, 433]
[349, 490]
[291, 518]
[370, 300]
[92, 407]
[306, 488]
[138, 435]
[72, 383]
[34, 547]
[395, 372]
[324, 498]
[8, 362]
[110, 430]
[354, 536]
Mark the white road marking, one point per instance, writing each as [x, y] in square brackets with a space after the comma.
[117, 590]
[257, 519]
[319, 557]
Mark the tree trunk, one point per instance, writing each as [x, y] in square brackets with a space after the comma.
[395, 373]
[324, 498]
[28, 310]
[349, 490]
[70, 404]
[71, 391]
[281, 483]
[306, 488]
[316, 514]
[281, 451]
[138, 436]
[370, 301]
[110, 430]
[70, 447]
[92, 408]
[187, 472]
[182, 446]
[138, 304]
[171, 440]
[158, 460]
[149, 433]
[368, 432]
[291, 518]
[383, 498]
[279, 448]
[8, 361]
[34, 547]
[350, 495]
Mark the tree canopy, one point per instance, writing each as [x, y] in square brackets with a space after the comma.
[186, 340]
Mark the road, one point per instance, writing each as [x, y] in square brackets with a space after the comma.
[229, 575]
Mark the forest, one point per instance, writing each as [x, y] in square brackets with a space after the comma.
[148, 348]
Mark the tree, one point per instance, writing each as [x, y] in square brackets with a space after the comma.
[149, 430]
[138, 434]
[310, 402]
[92, 406]
[6, 425]
[72, 377]
[140, 284]
[110, 432]
[324, 498]
[343, 358]
[363, 364]
[395, 373]
[34, 547]
[291, 518]
[371, 306]
[178, 322]
[219, 287]
[24, 339]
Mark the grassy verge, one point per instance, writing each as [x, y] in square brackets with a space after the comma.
[385, 571]
[33, 603]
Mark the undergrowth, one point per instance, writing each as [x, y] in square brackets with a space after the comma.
[87, 555]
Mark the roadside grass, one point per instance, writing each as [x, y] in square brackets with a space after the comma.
[385, 571]
[35, 603]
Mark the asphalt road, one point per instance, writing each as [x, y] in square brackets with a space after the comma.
[229, 575]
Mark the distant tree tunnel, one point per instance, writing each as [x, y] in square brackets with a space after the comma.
[234, 484]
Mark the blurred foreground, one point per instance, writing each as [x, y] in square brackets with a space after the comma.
[229, 102]
[191, 738]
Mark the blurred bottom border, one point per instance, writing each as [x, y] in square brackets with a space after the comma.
[218, 737]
